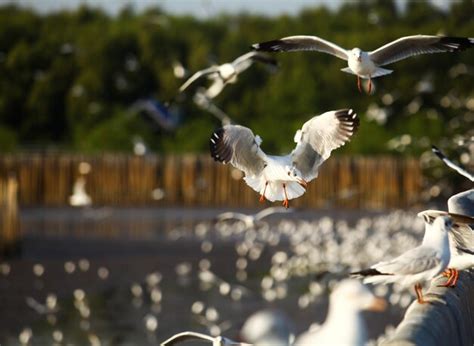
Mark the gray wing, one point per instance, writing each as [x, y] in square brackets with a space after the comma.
[319, 136]
[409, 46]
[185, 336]
[413, 261]
[239, 146]
[451, 164]
[302, 42]
[243, 62]
[197, 75]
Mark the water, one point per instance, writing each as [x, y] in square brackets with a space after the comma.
[138, 276]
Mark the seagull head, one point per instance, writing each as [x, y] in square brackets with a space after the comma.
[294, 174]
[443, 223]
[357, 54]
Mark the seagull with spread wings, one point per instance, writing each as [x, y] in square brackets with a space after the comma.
[416, 265]
[368, 65]
[281, 178]
[227, 73]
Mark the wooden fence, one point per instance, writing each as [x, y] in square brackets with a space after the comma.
[9, 224]
[196, 180]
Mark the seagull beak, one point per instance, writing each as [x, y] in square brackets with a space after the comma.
[302, 182]
[378, 304]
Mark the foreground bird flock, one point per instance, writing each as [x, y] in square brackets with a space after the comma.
[448, 241]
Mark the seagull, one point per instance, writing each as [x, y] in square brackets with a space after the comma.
[419, 264]
[367, 65]
[227, 73]
[252, 220]
[284, 177]
[346, 303]
[451, 164]
[79, 197]
[216, 341]
[267, 328]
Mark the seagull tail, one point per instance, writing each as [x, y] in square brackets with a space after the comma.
[378, 72]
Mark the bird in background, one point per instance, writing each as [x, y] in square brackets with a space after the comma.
[189, 336]
[253, 220]
[281, 178]
[344, 324]
[227, 73]
[267, 328]
[416, 265]
[368, 65]
[451, 164]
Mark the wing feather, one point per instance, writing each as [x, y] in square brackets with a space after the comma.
[243, 62]
[319, 136]
[408, 46]
[197, 75]
[412, 262]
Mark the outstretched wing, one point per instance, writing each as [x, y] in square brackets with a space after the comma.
[197, 75]
[451, 164]
[319, 136]
[408, 46]
[243, 62]
[239, 146]
[302, 42]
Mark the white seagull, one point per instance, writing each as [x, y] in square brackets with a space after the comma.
[419, 264]
[267, 328]
[367, 65]
[285, 177]
[251, 221]
[344, 324]
[186, 336]
[227, 73]
[79, 197]
[451, 164]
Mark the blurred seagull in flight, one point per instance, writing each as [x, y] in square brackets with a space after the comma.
[227, 73]
[417, 265]
[451, 164]
[251, 221]
[281, 178]
[367, 65]
[346, 303]
[186, 336]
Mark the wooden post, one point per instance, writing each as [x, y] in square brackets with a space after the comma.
[9, 224]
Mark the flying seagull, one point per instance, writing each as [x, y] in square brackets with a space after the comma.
[221, 75]
[367, 65]
[451, 164]
[186, 336]
[416, 265]
[284, 177]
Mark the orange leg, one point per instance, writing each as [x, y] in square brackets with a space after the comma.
[452, 275]
[286, 203]
[359, 86]
[370, 85]
[262, 196]
[419, 294]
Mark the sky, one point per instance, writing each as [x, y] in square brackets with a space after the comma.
[201, 8]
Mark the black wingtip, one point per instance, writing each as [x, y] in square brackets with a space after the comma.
[349, 118]
[219, 151]
[437, 152]
[455, 44]
[268, 46]
[367, 272]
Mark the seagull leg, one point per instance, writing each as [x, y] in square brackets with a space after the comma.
[359, 86]
[286, 203]
[419, 294]
[262, 196]
[370, 85]
[452, 275]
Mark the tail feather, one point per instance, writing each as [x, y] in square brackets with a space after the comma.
[368, 272]
[378, 73]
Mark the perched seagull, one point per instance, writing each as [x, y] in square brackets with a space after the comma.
[267, 328]
[461, 237]
[186, 336]
[285, 177]
[367, 65]
[251, 221]
[79, 197]
[451, 164]
[227, 73]
[417, 265]
[346, 303]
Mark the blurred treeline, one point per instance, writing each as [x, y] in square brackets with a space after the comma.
[67, 79]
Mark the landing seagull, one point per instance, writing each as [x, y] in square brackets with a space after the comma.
[451, 164]
[285, 177]
[367, 65]
[186, 336]
[417, 265]
[227, 73]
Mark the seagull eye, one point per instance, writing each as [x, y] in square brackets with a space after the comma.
[289, 173]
